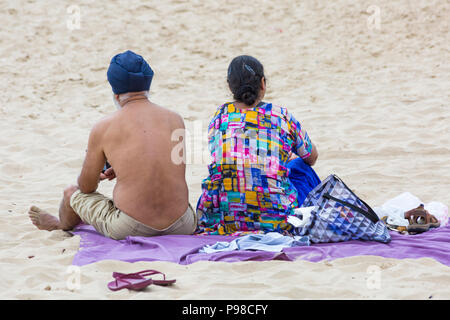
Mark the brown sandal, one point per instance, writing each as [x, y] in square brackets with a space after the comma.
[420, 220]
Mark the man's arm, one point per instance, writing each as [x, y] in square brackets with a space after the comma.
[94, 161]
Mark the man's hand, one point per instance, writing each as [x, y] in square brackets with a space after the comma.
[108, 174]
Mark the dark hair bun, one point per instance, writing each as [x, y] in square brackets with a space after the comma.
[247, 94]
[244, 78]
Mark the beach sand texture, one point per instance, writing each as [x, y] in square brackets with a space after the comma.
[372, 93]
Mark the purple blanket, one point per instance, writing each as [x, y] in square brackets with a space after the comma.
[184, 249]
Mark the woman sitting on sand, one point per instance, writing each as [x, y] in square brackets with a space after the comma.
[261, 159]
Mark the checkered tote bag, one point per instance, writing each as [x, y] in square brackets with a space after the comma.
[339, 215]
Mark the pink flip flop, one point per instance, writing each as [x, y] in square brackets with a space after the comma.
[137, 280]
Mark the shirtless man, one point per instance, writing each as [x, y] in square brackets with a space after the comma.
[150, 196]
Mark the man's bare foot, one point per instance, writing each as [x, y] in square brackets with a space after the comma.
[42, 219]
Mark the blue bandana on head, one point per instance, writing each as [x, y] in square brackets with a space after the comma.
[129, 72]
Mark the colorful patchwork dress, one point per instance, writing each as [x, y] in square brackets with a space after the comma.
[248, 189]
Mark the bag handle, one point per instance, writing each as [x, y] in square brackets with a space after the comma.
[370, 214]
[368, 207]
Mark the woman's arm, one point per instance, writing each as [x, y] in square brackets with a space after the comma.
[312, 158]
[303, 146]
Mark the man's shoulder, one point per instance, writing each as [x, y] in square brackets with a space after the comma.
[176, 118]
[102, 125]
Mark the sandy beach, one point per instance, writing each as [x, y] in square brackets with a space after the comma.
[369, 82]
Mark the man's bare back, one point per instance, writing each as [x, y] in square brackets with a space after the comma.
[137, 141]
[151, 195]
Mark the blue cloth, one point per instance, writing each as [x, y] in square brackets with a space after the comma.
[303, 177]
[129, 72]
[271, 241]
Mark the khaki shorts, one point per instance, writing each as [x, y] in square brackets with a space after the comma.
[101, 213]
